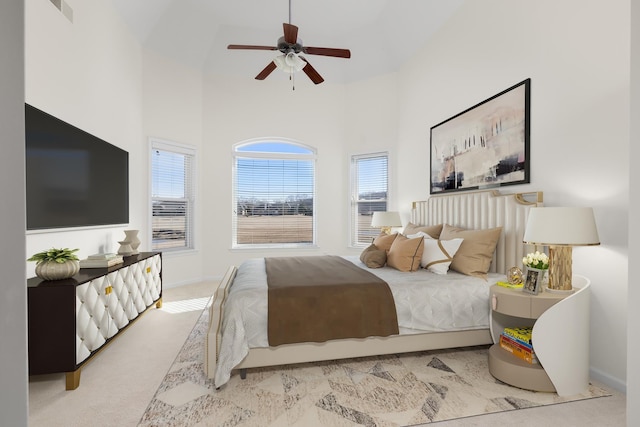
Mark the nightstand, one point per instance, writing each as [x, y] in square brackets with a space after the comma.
[560, 338]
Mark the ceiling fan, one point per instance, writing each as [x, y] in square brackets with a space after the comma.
[291, 59]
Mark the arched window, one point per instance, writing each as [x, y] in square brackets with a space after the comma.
[273, 194]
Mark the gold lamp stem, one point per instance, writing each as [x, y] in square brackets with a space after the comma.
[560, 260]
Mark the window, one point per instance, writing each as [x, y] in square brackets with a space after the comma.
[273, 191]
[369, 194]
[172, 195]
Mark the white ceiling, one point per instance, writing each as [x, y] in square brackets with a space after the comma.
[381, 34]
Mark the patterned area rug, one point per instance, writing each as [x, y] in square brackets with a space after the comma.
[395, 390]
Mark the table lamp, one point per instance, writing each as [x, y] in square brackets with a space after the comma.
[561, 228]
[386, 220]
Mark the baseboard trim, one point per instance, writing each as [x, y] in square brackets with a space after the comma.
[608, 380]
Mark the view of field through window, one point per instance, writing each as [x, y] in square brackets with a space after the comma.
[274, 193]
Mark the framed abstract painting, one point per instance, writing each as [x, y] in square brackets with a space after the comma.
[484, 146]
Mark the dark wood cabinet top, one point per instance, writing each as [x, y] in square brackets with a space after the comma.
[88, 274]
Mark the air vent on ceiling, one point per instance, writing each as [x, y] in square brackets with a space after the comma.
[64, 7]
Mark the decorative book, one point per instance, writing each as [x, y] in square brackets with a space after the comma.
[522, 333]
[101, 263]
[510, 285]
[103, 256]
[517, 349]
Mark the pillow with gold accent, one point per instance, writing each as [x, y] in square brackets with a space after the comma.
[384, 241]
[432, 230]
[438, 254]
[405, 254]
[373, 257]
[476, 251]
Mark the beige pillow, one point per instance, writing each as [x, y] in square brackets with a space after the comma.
[373, 257]
[405, 254]
[476, 252]
[432, 230]
[384, 241]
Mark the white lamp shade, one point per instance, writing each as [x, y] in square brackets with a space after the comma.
[386, 219]
[561, 226]
[289, 63]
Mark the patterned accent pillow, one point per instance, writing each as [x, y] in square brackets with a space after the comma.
[438, 254]
[373, 257]
[405, 254]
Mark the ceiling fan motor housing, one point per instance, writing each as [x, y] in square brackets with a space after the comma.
[285, 47]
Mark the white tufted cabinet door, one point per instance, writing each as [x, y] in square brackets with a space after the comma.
[70, 320]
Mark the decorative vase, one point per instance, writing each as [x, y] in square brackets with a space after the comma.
[51, 270]
[125, 248]
[131, 236]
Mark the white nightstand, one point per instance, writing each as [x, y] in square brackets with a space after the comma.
[560, 338]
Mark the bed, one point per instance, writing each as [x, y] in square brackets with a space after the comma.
[458, 303]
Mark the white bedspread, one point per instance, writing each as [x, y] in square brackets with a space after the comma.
[425, 302]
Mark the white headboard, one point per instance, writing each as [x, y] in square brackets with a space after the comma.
[480, 210]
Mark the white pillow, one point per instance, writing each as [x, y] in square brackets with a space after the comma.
[437, 254]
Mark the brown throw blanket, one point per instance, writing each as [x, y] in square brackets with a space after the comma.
[319, 298]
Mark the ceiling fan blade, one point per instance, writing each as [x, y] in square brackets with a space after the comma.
[327, 51]
[251, 47]
[311, 72]
[267, 70]
[290, 33]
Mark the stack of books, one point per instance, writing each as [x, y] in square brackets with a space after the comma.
[101, 261]
[517, 341]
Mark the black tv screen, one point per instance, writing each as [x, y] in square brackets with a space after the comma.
[74, 179]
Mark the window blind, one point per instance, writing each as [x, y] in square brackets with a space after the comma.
[274, 196]
[369, 194]
[172, 196]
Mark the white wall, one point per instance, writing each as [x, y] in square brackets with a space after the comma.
[13, 292]
[239, 109]
[88, 73]
[576, 53]
[633, 321]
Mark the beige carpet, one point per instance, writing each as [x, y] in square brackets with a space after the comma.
[397, 390]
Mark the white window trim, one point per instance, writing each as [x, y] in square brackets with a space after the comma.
[314, 157]
[187, 149]
[352, 190]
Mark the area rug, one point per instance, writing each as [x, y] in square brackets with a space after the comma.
[395, 390]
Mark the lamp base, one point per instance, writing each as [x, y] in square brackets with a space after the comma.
[560, 268]
[385, 229]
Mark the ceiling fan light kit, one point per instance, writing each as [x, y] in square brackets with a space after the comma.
[290, 61]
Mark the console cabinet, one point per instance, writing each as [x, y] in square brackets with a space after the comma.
[560, 338]
[70, 320]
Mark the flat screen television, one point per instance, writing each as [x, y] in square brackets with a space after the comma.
[73, 178]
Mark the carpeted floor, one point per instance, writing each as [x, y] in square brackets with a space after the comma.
[396, 390]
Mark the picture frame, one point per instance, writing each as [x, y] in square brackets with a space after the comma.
[484, 146]
[533, 281]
